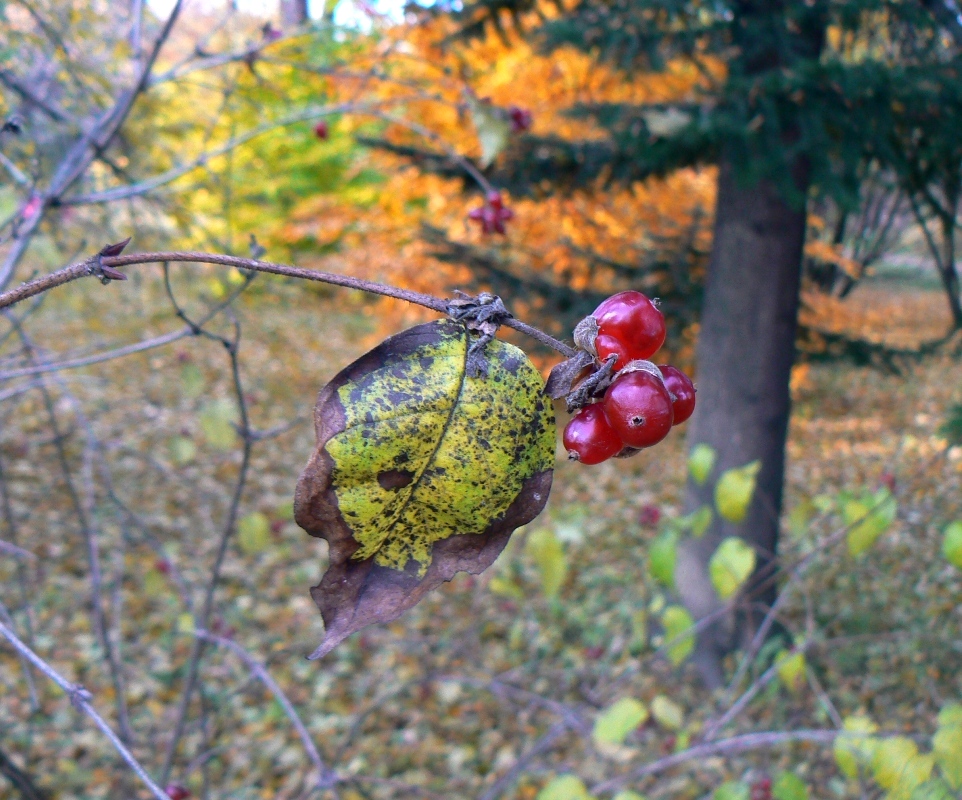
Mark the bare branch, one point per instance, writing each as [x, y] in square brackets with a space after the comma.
[80, 698]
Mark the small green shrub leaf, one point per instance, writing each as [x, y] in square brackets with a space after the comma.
[217, 423]
[667, 713]
[952, 544]
[548, 553]
[734, 491]
[254, 533]
[628, 795]
[788, 786]
[855, 747]
[732, 790]
[933, 790]
[618, 720]
[662, 556]
[730, 566]
[870, 516]
[701, 462]
[182, 450]
[679, 636]
[947, 745]
[898, 767]
[564, 787]
[791, 670]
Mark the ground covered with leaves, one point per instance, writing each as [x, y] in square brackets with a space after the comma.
[494, 685]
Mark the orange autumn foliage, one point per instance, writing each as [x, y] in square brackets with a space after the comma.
[595, 238]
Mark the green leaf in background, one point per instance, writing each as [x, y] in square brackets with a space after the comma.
[493, 127]
[799, 518]
[618, 720]
[217, 423]
[423, 469]
[548, 553]
[639, 631]
[182, 450]
[852, 749]
[730, 566]
[192, 380]
[734, 491]
[628, 795]
[732, 790]
[952, 544]
[947, 744]
[662, 555]
[898, 766]
[935, 789]
[698, 521]
[701, 462]
[667, 713]
[254, 533]
[791, 670]
[870, 516]
[565, 787]
[679, 636]
[788, 786]
[285, 510]
[505, 587]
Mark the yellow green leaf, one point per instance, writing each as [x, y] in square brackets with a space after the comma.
[870, 516]
[628, 795]
[734, 491]
[679, 636]
[732, 790]
[564, 787]
[493, 127]
[662, 555]
[254, 533]
[701, 462]
[855, 747]
[422, 469]
[788, 786]
[698, 521]
[947, 745]
[898, 766]
[730, 566]
[217, 423]
[548, 554]
[667, 713]
[618, 720]
[192, 380]
[791, 670]
[182, 450]
[952, 544]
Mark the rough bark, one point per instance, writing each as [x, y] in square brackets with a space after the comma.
[293, 13]
[745, 353]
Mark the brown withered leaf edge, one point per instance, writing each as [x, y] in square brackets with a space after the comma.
[353, 594]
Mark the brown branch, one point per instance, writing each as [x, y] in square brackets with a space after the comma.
[21, 781]
[94, 267]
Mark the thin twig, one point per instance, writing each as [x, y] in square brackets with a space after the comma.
[326, 778]
[88, 268]
[80, 698]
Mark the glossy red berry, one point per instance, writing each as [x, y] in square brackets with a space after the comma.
[629, 325]
[682, 391]
[638, 407]
[176, 792]
[762, 789]
[589, 438]
[492, 215]
[320, 130]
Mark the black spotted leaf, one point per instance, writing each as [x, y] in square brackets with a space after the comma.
[421, 470]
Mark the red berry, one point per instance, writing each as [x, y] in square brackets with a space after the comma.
[762, 789]
[682, 391]
[494, 200]
[520, 119]
[320, 130]
[589, 438]
[638, 407]
[492, 215]
[176, 792]
[634, 322]
[162, 565]
[649, 515]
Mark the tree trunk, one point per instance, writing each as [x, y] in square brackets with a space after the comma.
[746, 347]
[293, 13]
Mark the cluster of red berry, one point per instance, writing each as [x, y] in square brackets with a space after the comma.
[492, 215]
[643, 401]
[521, 119]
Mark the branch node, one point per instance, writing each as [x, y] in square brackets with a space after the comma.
[483, 315]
